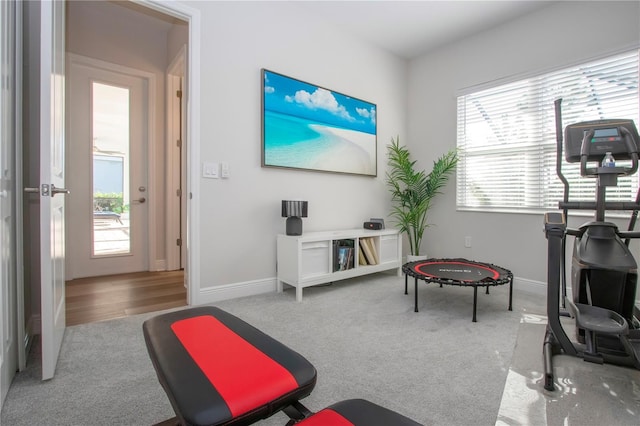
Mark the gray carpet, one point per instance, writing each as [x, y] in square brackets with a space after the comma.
[362, 335]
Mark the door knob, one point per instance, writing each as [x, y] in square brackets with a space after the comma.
[55, 191]
[139, 200]
[46, 190]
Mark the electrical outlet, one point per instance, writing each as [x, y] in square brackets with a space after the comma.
[467, 241]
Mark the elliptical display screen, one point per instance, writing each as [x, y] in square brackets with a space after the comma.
[607, 137]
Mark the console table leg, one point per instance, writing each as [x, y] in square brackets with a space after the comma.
[416, 296]
[298, 294]
[475, 302]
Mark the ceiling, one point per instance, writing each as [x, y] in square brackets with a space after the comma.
[411, 28]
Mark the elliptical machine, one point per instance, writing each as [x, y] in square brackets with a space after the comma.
[603, 270]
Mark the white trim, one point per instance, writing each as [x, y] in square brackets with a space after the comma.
[35, 324]
[531, 286]
[76, 59]
[19, 199]
[161, 265]
[215, 294]
[175, 71]
[192, 93]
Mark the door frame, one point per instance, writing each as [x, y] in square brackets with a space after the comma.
[80, 60]
[175, 160]
[192, 130]
[11, 317]
[23, 339]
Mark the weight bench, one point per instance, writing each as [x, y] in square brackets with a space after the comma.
[218, 370]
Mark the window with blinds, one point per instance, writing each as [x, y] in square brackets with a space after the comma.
[507, 139]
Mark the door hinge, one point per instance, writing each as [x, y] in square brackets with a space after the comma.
[179, 143]
[179, 94]
[179, 242]
[179, 192]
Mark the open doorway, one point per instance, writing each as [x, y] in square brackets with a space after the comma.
[124, 204]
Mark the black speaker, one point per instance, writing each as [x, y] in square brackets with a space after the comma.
[372, 225]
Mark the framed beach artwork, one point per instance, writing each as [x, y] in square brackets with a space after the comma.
[308, 127]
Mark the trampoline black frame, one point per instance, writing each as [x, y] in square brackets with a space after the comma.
[507, 277]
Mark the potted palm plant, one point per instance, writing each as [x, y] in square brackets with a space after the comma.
[413, 191]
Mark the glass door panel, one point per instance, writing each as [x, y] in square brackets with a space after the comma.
[110, 170]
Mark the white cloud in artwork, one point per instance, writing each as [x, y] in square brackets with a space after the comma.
[365, 113]
[269, 89]
[320, 99]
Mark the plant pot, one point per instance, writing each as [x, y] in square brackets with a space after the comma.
[413, 257]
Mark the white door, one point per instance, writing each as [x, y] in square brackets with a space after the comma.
[52, 197]
[106, 155]
[8, 138]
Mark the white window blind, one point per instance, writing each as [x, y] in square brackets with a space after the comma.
[507, 140]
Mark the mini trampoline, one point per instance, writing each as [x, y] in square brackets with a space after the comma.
[460, 272]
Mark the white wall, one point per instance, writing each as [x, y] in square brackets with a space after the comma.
[240, 216]
[562, 34]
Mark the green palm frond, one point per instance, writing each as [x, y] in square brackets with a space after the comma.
[412, 191]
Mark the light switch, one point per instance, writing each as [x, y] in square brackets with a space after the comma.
[210, 170]
[224, 170]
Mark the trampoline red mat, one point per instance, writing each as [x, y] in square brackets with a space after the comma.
[457, 270]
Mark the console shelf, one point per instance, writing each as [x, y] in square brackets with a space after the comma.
[321, 257]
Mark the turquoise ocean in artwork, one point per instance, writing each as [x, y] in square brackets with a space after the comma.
[285, 130]
[291, 141]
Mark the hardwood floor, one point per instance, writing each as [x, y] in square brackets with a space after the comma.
[116, 296]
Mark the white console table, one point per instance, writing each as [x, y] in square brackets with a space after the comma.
[312, 258]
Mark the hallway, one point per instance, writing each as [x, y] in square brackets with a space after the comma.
[116, 296]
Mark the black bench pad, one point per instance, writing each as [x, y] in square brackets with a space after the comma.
[217, 369]
[357, 412]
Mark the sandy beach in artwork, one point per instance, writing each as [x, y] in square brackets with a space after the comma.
[347, 150]
[298, 143]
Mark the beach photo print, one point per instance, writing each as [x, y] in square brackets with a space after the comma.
[309, 127]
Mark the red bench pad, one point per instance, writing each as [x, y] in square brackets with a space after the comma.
[357, 412]
[217, 369]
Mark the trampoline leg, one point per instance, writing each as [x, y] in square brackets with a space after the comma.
[405, 283]
[416, 296]
[511, 294]
[475, 302]
[487, 292]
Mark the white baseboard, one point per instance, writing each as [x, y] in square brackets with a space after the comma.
[34, 325]
[251, 288]
[231, 291]
[161, 265]
[531, 286]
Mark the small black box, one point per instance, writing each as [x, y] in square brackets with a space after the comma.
[372, 225]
